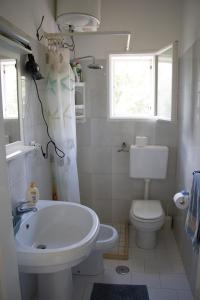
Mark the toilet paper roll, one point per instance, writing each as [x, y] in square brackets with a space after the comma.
[181, 200]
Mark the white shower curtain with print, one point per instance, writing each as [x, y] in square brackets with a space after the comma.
[62, 123]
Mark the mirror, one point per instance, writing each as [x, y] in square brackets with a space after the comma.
[164, 87]
[10, 99]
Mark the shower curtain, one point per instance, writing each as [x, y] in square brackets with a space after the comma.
[62, 124]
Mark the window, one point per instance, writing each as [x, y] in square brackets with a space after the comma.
[141, 85]
[9, 88]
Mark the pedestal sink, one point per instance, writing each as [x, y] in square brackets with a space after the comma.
[51, 240]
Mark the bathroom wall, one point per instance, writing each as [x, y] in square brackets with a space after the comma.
[103, 171]
[31, 167]
[189, 123]
[154, 24]
[26, 15]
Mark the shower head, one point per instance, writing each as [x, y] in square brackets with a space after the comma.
[93, 65]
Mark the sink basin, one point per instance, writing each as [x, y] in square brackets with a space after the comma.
[56, 237]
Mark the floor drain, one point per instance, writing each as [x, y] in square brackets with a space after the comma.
[41, 246]
[122, 270]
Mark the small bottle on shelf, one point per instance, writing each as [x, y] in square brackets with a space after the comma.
[32, 194]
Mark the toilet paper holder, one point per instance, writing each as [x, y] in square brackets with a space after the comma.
[181, 199]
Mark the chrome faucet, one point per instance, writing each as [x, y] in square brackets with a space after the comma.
[22, 210]
[18, 212]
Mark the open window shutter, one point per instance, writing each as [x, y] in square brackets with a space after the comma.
[167, 82]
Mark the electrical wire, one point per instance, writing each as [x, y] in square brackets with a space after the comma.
[57, 150]
[71, 46]
[37, 32]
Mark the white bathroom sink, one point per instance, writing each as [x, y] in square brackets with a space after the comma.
[58, 236]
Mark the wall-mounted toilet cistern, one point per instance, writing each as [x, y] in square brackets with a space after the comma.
[147, 216]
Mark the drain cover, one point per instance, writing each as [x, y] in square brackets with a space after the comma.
[41, 246]
[122, 270]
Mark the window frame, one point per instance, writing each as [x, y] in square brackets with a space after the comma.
[174, 95]
[9, 53]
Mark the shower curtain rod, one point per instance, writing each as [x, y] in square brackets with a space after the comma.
[58, 36]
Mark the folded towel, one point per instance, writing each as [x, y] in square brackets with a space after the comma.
[192, 224]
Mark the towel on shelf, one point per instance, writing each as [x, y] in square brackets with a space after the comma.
[192, 224]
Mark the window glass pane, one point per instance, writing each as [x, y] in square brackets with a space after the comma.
[9, 88]
[131, 86]
[164, 95]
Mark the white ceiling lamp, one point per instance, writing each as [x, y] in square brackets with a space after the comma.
[78, 15]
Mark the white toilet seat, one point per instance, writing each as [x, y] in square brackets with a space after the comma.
[147, 210]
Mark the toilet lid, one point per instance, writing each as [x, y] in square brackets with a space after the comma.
[147, 209]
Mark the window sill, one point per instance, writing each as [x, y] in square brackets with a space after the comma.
[137, 118]
[17, 149]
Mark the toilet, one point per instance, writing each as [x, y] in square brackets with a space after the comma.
[93, 265]
[147, 216]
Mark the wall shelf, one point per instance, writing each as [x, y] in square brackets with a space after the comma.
[13, 45]
[17, 149]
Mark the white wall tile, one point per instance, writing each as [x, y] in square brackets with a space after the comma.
[83, 131]
[120, 210]
[101, 160]
[166, 133]
[120, 161]
[101, 186]
[103, 208]
[84, 159]
[85, 182]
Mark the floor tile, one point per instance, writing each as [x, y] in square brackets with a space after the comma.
[138, 264]
[161, 269]
[151, 280]
[185, 295]
[162, 294]
[174, 281]
[111, 276]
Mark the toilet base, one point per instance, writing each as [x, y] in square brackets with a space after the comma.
[146, 240]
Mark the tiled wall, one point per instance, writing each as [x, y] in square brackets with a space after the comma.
[189, 123]
[103, 171]
[31, 167]
[189, 146]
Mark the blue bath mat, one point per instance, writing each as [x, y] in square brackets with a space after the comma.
[103, 291]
